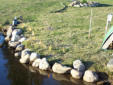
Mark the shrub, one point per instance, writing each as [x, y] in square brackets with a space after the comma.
[84, 1]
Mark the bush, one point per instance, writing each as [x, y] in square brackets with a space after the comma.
[84, 1]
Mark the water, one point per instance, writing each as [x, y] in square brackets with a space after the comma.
[14, 73]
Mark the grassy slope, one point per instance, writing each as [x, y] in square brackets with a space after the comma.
[62, 35]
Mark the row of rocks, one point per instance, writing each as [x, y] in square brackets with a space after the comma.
[87, 4]
[15, 37]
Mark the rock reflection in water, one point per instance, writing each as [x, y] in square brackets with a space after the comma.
[21, 74]
[3, 70]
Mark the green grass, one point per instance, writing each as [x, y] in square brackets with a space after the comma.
[64, 35]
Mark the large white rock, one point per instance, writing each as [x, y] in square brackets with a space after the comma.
[76, 74]
[90, 76]
[19, 47]
[78, 65]
[36, 62]
[34, 56]
[25, 59]
[44, 65]
[60, 69]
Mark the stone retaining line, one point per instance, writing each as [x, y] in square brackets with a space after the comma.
[14, 37]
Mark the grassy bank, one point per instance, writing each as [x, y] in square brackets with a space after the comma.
[61, 36]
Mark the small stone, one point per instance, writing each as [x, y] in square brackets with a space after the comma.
[72, 3]
[25, 52]
[76, 74]
[78, 65]
[58, 68]
[110, 65]
[85, 5]
[7, 38]
[22, 39]
[77, 5]
[90, 76]
[9, 33]
[13, 44]
[34, 56]
[17, 54]
[17, 32]
[44, 65]
[19, 47]
[81, 5]
[15, 22]
[15, 38]
[36, 63]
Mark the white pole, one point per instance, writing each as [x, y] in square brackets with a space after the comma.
[90, 25]
[106, 27]
[109, 19]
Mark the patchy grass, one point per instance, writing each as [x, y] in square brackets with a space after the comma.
[61, 36]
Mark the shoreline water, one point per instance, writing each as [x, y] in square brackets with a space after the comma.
[18, 73]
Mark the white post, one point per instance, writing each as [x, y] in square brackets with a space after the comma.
[90, 25]
[109, 18]
[106, 27]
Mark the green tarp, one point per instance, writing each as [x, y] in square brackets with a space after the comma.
[107, 36]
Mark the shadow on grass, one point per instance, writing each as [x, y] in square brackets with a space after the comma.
[103, 78]
[54, 61]
[104, 5]
[60, 10]
[88, 64]
[45, 56]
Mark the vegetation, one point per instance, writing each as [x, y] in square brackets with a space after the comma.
[61, 36]
[84, 1]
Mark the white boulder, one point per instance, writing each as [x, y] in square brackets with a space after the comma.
[15, 38]
[9, 33]
[76, 74]
[25, 59]
[17, 32]
[17, 54]
[90, 76]
[22, 39]
[78, 65]
[44, 65]
[25, 52]
[34, 56]
[36, 62]
[19, 47]
[13, 44]
[60, 69]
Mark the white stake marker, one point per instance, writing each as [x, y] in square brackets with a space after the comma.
[109, 19]
[90, 25]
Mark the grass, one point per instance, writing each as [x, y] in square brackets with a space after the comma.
[61, 36]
